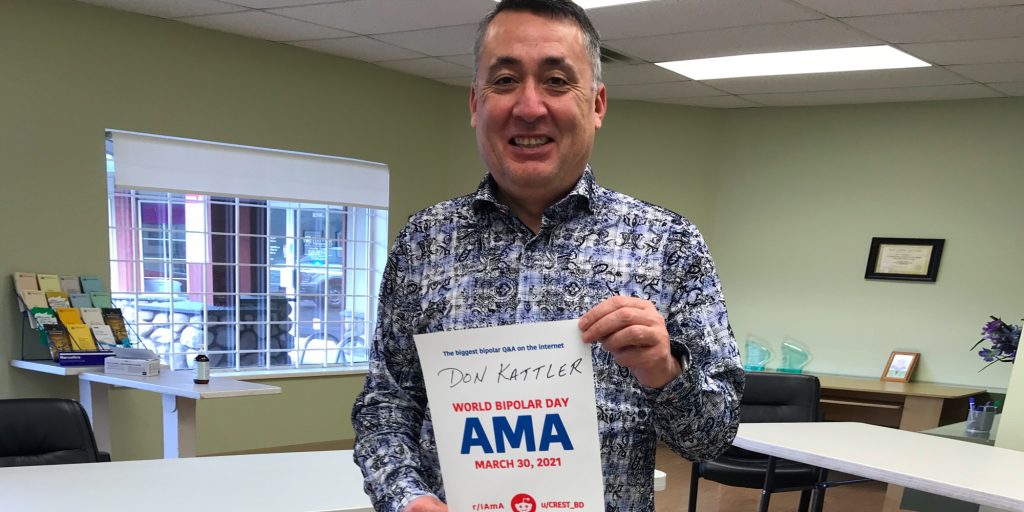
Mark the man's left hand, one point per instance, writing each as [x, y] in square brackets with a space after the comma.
[633, 331]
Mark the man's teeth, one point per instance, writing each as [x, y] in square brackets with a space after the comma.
[531, 142]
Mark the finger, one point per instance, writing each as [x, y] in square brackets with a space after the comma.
[620, 319]
[630, 337]
[609, 305]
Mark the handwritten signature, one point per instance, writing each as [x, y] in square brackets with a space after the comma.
[508, 373]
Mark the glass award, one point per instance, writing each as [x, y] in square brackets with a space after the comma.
[756, 354]
[795, 356]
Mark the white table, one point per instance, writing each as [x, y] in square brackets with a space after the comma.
[967, 471]
[179, 396]
[277, 482]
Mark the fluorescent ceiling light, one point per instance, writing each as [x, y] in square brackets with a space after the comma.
[594, 4]
[793, 63]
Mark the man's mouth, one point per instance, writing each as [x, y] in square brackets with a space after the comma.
[530, 142]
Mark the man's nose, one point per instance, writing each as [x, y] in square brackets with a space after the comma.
[529, 105]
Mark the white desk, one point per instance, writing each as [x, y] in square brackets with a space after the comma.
[179, 403]
[967, 471]
[277, 482]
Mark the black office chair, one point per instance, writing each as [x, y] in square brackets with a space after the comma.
[768, 398]
[41, 431]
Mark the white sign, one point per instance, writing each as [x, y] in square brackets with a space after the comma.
[514, 417]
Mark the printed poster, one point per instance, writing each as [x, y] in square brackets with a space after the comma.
[515, 417]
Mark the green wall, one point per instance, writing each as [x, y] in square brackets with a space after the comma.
[787, 198]
[73, 70]
[803, 190]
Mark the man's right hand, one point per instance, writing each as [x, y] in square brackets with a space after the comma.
[426, 504]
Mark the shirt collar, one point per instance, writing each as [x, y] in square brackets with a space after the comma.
[582, 197]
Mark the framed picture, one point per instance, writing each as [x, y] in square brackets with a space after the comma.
[900, 366]
[906, 259]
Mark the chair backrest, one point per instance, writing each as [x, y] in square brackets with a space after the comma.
[779, 397]
[41, 431]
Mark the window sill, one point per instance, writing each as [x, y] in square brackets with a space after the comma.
[291, 373]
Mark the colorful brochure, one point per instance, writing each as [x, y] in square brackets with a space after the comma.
[24, 281]
[104, 336]
[69, 284]
[80, 300]
[100, 299]
[515, 416]
[57, 300]
[69, 315]
[92, 316]
[59, 340]
[35, 299]
[91, 284]
[81, 337]
[48, 282]
[113, 318]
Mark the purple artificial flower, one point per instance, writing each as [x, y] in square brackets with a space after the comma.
[993, 326]
[987, 354]
[1004, 339]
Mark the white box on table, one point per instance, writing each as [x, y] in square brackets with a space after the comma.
[122, 366]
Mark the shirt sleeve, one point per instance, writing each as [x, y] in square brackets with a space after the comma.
[389, 413]
[697, 413]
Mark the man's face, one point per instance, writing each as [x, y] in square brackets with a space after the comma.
[533, 104]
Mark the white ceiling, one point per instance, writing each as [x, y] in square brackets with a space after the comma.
[976, 46]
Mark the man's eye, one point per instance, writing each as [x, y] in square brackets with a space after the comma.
[557, 82]
[504, 81]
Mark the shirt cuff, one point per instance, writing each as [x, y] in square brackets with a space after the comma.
[408, 499]
[682, 385]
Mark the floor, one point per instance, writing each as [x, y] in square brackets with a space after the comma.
[712, 497]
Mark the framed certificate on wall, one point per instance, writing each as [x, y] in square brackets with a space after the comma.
[905, 259]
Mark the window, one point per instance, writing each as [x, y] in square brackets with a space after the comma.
[253, 282]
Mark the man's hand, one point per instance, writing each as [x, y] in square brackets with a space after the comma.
[633, 331]
[425, 504]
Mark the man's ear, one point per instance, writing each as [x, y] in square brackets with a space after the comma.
[600, 105]
[472, 105]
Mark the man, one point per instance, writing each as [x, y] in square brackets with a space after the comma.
[540, 241]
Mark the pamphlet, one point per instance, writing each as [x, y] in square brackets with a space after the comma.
[516, 417]
[92, 316]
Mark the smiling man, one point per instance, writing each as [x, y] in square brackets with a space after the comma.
[538, 241]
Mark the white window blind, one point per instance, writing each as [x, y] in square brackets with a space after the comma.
[170, 164]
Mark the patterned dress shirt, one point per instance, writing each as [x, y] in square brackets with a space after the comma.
[470, 262]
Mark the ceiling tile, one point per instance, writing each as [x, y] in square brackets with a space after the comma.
[712, 102]
[942, 92]
[655, 18]
[844, 8]
[361, 48]
[624, 74]
[384, 16]
[778, 37]
[1009, 49]
[270, 4]
[463, 60]
[169, 8]
[428, 67]
[661, 90]
[261, 25]
[988, 23]
[1011, 88]
[437, 42]
[1005, 72]
[877, 79]
[461, 81]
